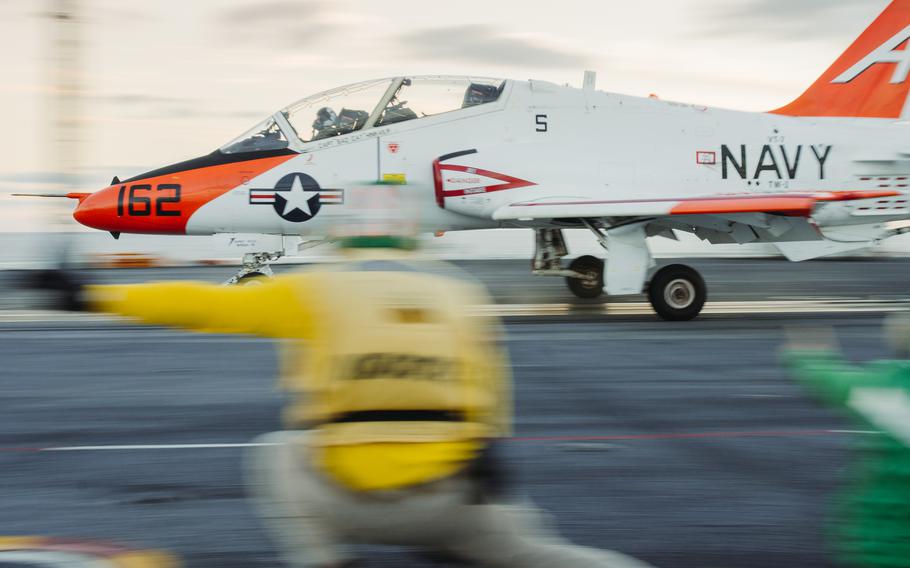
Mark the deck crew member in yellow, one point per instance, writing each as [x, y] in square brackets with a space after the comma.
[398, 394]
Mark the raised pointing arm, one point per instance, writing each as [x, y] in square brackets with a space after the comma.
[273, 309]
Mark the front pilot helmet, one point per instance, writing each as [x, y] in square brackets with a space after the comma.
[325, 118]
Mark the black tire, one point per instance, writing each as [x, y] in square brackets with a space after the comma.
[677, 293]
[251, 279]
[593, 285]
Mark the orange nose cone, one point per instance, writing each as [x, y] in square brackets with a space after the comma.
[144, 208]
[99, 210]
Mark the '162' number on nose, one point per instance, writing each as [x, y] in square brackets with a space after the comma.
[137, 202]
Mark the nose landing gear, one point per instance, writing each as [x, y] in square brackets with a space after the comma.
[255, 266]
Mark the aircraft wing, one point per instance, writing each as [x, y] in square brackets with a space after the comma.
[787, 204]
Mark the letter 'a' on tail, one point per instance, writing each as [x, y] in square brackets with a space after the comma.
[871, 79]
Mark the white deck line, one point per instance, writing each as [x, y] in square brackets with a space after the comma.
[203, 446]
[530, 310]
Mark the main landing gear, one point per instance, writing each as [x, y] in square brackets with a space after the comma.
[676, 292]
[589, 283]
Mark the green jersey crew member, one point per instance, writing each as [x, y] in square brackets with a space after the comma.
[872, 526]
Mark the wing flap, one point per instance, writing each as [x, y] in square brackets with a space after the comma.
[807, 250]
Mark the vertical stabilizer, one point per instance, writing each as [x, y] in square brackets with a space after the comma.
[870, 80]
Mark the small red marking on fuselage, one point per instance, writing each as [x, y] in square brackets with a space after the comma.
[706, 158]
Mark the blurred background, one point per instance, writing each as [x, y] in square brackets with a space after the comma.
[98, 88]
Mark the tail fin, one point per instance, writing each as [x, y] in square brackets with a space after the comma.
[871, 79]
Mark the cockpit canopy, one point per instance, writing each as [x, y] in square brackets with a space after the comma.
[365, 105]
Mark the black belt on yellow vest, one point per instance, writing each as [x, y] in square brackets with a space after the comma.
[397, 416]
[486, 470]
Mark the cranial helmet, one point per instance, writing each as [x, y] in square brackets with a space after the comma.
[379, 216]
[478, 94]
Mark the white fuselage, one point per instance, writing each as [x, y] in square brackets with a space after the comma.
[575, 144]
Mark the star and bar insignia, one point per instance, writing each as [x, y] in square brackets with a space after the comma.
[297, 197]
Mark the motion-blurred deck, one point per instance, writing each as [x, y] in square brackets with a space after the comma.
[685, 444]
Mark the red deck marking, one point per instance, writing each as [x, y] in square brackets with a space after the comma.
[680, 436]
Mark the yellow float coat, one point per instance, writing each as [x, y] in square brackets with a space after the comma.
[380, 333]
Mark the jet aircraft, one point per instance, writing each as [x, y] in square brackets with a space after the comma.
[826, 174]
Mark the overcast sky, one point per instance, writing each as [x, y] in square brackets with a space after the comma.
[174, 79]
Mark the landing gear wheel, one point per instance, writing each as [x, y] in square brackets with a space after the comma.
[592, 285]
[677, 293]
[252, 279]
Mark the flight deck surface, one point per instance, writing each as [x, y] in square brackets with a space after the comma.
[681, 443]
